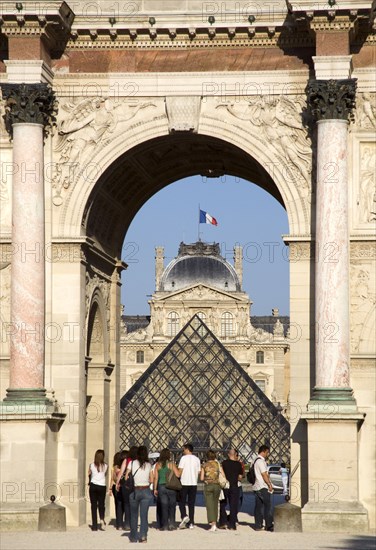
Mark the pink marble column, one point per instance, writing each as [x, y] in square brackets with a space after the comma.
[28, 111]
[332, 256]
[331, 103]
[28, 270]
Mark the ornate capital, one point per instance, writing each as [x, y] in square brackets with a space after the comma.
[32, 103]
[331, 99]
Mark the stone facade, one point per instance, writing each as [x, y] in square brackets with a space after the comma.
[183, 88]
[226, 312]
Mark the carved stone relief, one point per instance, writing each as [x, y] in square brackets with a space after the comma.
[258, 334]
[279, 123]
[367, 183]
[5, 285]
[4, 136]
[362, 307]
[365, 115]
[87, 127]
[197, 293]
[359, 250]
[158, 320]
[183, 113]
[5, 281]
[140, 335]
[5, 180]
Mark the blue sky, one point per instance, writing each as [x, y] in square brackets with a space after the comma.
[246, 214]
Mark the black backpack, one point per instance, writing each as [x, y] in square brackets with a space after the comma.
[251, 475]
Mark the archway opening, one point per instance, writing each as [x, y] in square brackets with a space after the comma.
[141, 173]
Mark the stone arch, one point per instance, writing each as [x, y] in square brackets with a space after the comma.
[239, 144]
[96, 392]
[96, 330]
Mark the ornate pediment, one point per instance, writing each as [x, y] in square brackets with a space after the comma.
[201, 292]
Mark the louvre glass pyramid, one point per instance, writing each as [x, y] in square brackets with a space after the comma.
[195, 392]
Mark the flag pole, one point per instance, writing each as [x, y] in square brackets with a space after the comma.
[198, 225]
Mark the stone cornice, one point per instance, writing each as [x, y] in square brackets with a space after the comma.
[187, 39]
[119, 28]
[331, 99]
[52, 21]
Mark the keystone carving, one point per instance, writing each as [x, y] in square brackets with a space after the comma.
[183, 113]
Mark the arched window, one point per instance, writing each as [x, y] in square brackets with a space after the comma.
[173, 323]
[259, 357]
[140, 358]
[227, 324]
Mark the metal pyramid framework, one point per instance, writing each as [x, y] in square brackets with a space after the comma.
[196, 392]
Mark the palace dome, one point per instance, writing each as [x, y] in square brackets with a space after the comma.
[199, 263]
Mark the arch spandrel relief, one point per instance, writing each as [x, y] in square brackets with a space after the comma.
[279, 122]
[275, 130]
[84, 128]
[93, 133]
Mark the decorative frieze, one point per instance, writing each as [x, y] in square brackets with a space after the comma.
[363, 250]
[331, 99]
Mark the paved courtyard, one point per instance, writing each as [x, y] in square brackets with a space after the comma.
[82, 538]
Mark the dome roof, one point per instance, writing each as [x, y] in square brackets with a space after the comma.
[199, 263]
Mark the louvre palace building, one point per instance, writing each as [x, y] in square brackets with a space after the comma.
[200, 283]
[102, 105]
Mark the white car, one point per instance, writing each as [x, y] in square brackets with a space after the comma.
[275, 476]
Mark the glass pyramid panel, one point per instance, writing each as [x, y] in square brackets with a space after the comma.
[195, 392]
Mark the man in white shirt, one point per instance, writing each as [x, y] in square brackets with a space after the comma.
[263, 489]
[189, 468]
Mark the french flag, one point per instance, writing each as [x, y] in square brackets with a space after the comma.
[207, 218]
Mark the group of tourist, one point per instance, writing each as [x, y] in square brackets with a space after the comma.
[134, 482]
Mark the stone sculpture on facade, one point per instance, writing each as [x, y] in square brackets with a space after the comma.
[279, 122]
[89, 124]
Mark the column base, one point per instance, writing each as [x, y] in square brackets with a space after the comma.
[336, 517]
[29, 395]
[323, 399]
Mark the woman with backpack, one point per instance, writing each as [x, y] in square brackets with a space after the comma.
[118, 497]
[166, 497]
[120, 485]
[210, 472]
[141, 497]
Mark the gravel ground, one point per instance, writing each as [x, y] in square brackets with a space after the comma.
[82, 538]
